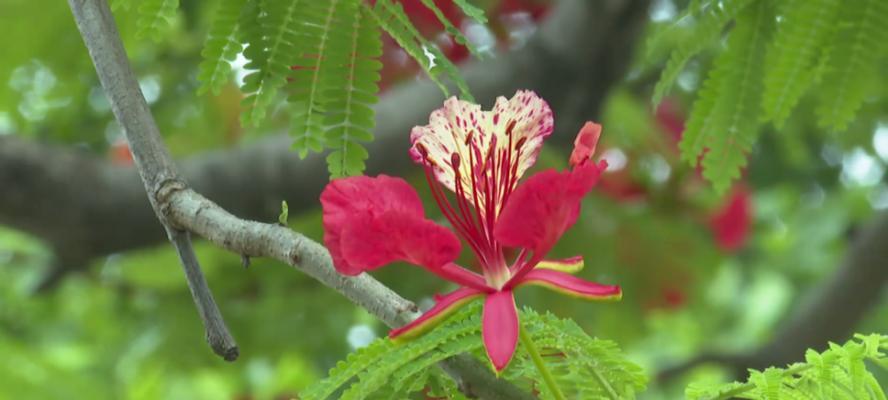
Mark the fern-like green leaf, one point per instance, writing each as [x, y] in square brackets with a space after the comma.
[661, 36]
[250, 32]
[473, 12]
[155, 16]
[836, 374]
[443, 66]
[272, 47]
[382, 358]
[441, 386]
[450, 28]
[852, 67]
[711, 21]
[587, 368]
[392, 18]
[222, 46]
[350, 90]
[724, 118]
[373, 379]
[769, 382]
[319, 41]
[793, 55]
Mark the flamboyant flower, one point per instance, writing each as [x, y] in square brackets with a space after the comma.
[479, 156]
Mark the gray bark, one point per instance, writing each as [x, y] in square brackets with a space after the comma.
[154, 163]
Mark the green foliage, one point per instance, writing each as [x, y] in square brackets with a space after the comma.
[586, 367]
[349, 89]
[273, 37]
[222, 46]
[724, 120]
[448, 26]
[827, 47]
[473, 12]
[126, 327]
[155, 16]
[118, 4]
[712, 19]
[136, 336]
[384, 360]
[325, 55]
[793, 55]
[324, 47]
[852, 63]
[836, 374]
[394, 21]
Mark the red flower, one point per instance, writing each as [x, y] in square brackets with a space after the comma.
[479, 156]
[731, 223]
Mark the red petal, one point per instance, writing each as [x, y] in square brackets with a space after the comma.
[571, 285]
[370, 222]
[584, 144]
[544, 207]
[499, 328]
[444, 306]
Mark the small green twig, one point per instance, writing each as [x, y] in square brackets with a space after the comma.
[285, 214]
[540, 365]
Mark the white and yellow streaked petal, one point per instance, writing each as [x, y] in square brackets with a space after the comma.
[496, 147]
[528, 119]
[452, 129]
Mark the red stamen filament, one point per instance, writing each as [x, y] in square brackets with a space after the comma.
[475, 190]
[474, 225]
[519, 261]
[492, 178]
[448, 211]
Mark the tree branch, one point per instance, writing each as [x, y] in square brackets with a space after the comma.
[252, 180]
[100, 193]
[193, 212]
[153, 161]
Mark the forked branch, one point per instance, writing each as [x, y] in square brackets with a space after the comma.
[182, 210]
[159, 175]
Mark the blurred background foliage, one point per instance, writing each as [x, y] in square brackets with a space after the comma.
[700, 270]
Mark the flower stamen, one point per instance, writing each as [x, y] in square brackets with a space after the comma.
[444, 205]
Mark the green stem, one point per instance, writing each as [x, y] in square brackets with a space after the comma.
[538, 362]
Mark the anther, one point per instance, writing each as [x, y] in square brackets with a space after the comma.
[510, 126]
[520, 143]
[454, 160]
